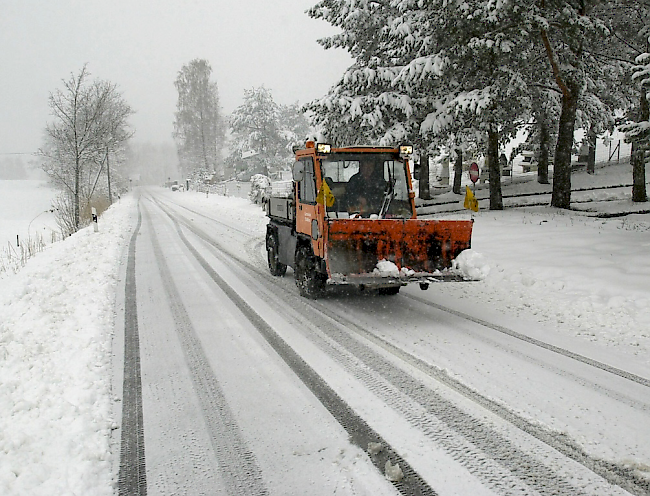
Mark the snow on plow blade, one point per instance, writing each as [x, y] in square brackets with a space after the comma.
[422, 250]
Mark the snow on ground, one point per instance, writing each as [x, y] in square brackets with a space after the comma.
[56, 323]
[587, 276]
[25, 210]
[591, 277]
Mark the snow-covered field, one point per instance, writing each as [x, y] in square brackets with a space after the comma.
[25, 210]
[581, 276]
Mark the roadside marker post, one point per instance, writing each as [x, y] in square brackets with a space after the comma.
[94, 214]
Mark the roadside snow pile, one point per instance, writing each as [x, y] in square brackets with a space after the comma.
[386, 268]
[585, 276]
[471, 265]
[56, 321]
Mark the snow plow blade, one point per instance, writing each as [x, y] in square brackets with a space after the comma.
[421, 250]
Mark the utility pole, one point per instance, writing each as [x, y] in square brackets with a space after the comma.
[108, 173]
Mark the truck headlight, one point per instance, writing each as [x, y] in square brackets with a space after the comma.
[323, 148]
[405, 151]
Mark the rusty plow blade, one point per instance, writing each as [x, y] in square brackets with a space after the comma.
[393, 252]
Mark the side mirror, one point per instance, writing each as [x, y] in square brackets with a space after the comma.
[298, 171]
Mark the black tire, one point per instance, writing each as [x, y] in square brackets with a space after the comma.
[310, 282]
[277, 268]
[388, 291]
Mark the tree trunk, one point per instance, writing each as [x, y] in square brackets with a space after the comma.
[638, 157]
[77, 180]
[591, 158]
[204, 151]
[544, 144]
[458, 171]
[424, 192]
[561, 196]
[108, 177]
[496, 200]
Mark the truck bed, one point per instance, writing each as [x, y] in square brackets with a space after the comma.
[280, 209]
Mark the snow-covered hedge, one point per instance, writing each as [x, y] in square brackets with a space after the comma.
[260, 187]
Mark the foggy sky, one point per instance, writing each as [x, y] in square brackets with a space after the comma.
[142, 44]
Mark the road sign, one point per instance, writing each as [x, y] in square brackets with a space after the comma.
[473, 172]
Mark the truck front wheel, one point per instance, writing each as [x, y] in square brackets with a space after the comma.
[310, 282]
[275, 266]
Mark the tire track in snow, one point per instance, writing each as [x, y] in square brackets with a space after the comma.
[636, 402]
[555, 349]
[483, 452]
[614, 474]
[201, 214]
[493, 459]
[359, 431]
[617, 475]
[237, 463]
[132, 477]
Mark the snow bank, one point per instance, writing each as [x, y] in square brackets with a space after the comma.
[587, 277]
[56, 321]
[386, 268]
[471, 265]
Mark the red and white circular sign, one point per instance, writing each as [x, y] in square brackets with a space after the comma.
[473, 172]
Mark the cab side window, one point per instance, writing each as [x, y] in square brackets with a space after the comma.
[307, 187]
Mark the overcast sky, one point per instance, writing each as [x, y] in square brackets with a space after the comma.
[142, 44]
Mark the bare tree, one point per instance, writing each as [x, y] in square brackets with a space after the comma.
[90, 120]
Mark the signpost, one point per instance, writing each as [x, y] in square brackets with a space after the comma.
[473, 172]
[94, 216]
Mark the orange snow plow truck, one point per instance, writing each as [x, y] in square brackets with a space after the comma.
[348, 218]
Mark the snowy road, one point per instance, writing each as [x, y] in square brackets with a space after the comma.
[249, 389]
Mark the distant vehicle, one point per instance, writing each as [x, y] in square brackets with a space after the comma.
[175, 187]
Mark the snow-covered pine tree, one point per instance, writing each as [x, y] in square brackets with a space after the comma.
[262, 126]
[631, 28]
[438, 70]
[425, 72]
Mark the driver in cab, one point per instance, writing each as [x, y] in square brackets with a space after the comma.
[366, 189]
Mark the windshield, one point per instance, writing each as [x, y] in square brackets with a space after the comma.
[366, 184]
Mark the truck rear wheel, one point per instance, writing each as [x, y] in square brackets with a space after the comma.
[275, 266]
[310, 282]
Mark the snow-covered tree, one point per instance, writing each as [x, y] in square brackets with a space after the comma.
[638, 132]
[427, 72]
[198, 127]
[438, 70]
[265, 131]
[90, 122]
[294, 126]
[573, 35]
[631, 30]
